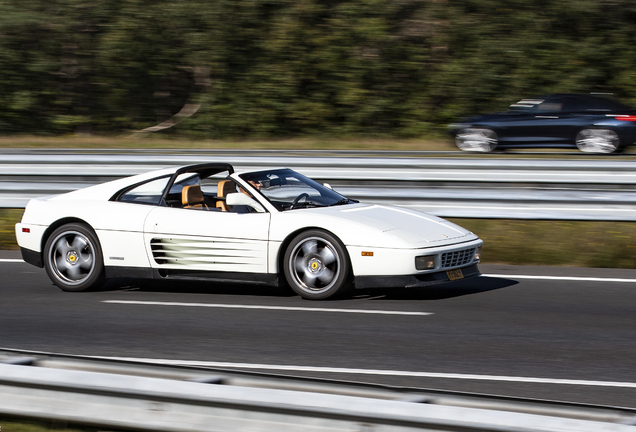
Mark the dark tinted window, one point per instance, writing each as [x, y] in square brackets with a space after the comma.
[602, 104]
[554, 105]
[573, 104]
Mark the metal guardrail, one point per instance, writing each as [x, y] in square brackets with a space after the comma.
[590, 189]
[161, 398]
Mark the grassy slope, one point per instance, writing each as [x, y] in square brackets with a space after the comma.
[560, 243]
[8, 219]
[16, 424]
[138, 142]
[438, 143]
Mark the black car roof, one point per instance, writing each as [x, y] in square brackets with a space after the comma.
[585, 98]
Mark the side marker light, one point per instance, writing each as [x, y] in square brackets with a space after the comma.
[26, 230]
[367, 253]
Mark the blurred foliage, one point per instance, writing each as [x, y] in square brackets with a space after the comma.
[280, 68]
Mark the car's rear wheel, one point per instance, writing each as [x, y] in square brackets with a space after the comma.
[598, 141]
[316, 265]
[73, 258]
[476, 139]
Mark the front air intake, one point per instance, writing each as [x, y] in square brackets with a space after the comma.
[458, 258]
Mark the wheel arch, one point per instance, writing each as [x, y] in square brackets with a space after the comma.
[58, 223]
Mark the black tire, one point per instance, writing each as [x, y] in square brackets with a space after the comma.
[73, 258]
[598, 141]
[316, 265]
[476, 140]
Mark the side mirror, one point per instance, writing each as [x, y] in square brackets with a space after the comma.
[234, 199]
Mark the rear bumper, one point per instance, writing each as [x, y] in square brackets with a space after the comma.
[411, 281]
[32, 257]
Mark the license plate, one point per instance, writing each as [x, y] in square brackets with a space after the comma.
[455, 274]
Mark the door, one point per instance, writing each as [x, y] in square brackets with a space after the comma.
[548, 123]
[207, 240]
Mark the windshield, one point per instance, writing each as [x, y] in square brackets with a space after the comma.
[288, 190]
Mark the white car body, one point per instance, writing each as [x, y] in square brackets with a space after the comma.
[155, 241]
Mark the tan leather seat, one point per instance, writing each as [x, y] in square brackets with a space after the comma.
[224, 188]
[192, 197]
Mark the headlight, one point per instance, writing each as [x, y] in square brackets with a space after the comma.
[425, 262]
[478, 254]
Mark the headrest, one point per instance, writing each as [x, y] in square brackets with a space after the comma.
[191, 195]
[225, 187]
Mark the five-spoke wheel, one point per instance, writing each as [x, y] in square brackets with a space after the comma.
[73, 258]
[598, 141]
[316, 265]
[476, 139]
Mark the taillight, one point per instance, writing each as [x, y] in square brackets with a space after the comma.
[626, 118]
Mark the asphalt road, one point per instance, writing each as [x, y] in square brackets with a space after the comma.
[504, 334]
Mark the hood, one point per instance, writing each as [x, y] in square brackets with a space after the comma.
[412, 227]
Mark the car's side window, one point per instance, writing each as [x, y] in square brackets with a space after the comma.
[194, 191]
[146, 193]
[572, 105]
[174, 197]
[551, 106]
[182, 180]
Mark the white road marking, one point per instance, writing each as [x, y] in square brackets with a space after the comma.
[378, 372]
[286, 308]
[9, 260]
[564, 278]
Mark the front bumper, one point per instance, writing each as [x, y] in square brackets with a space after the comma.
[412, 281]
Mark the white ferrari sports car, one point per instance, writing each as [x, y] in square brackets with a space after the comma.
[206, 222]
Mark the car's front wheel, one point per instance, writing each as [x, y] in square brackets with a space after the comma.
[598, 141]
[476, 139]
[316, 265]
[73, 258]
